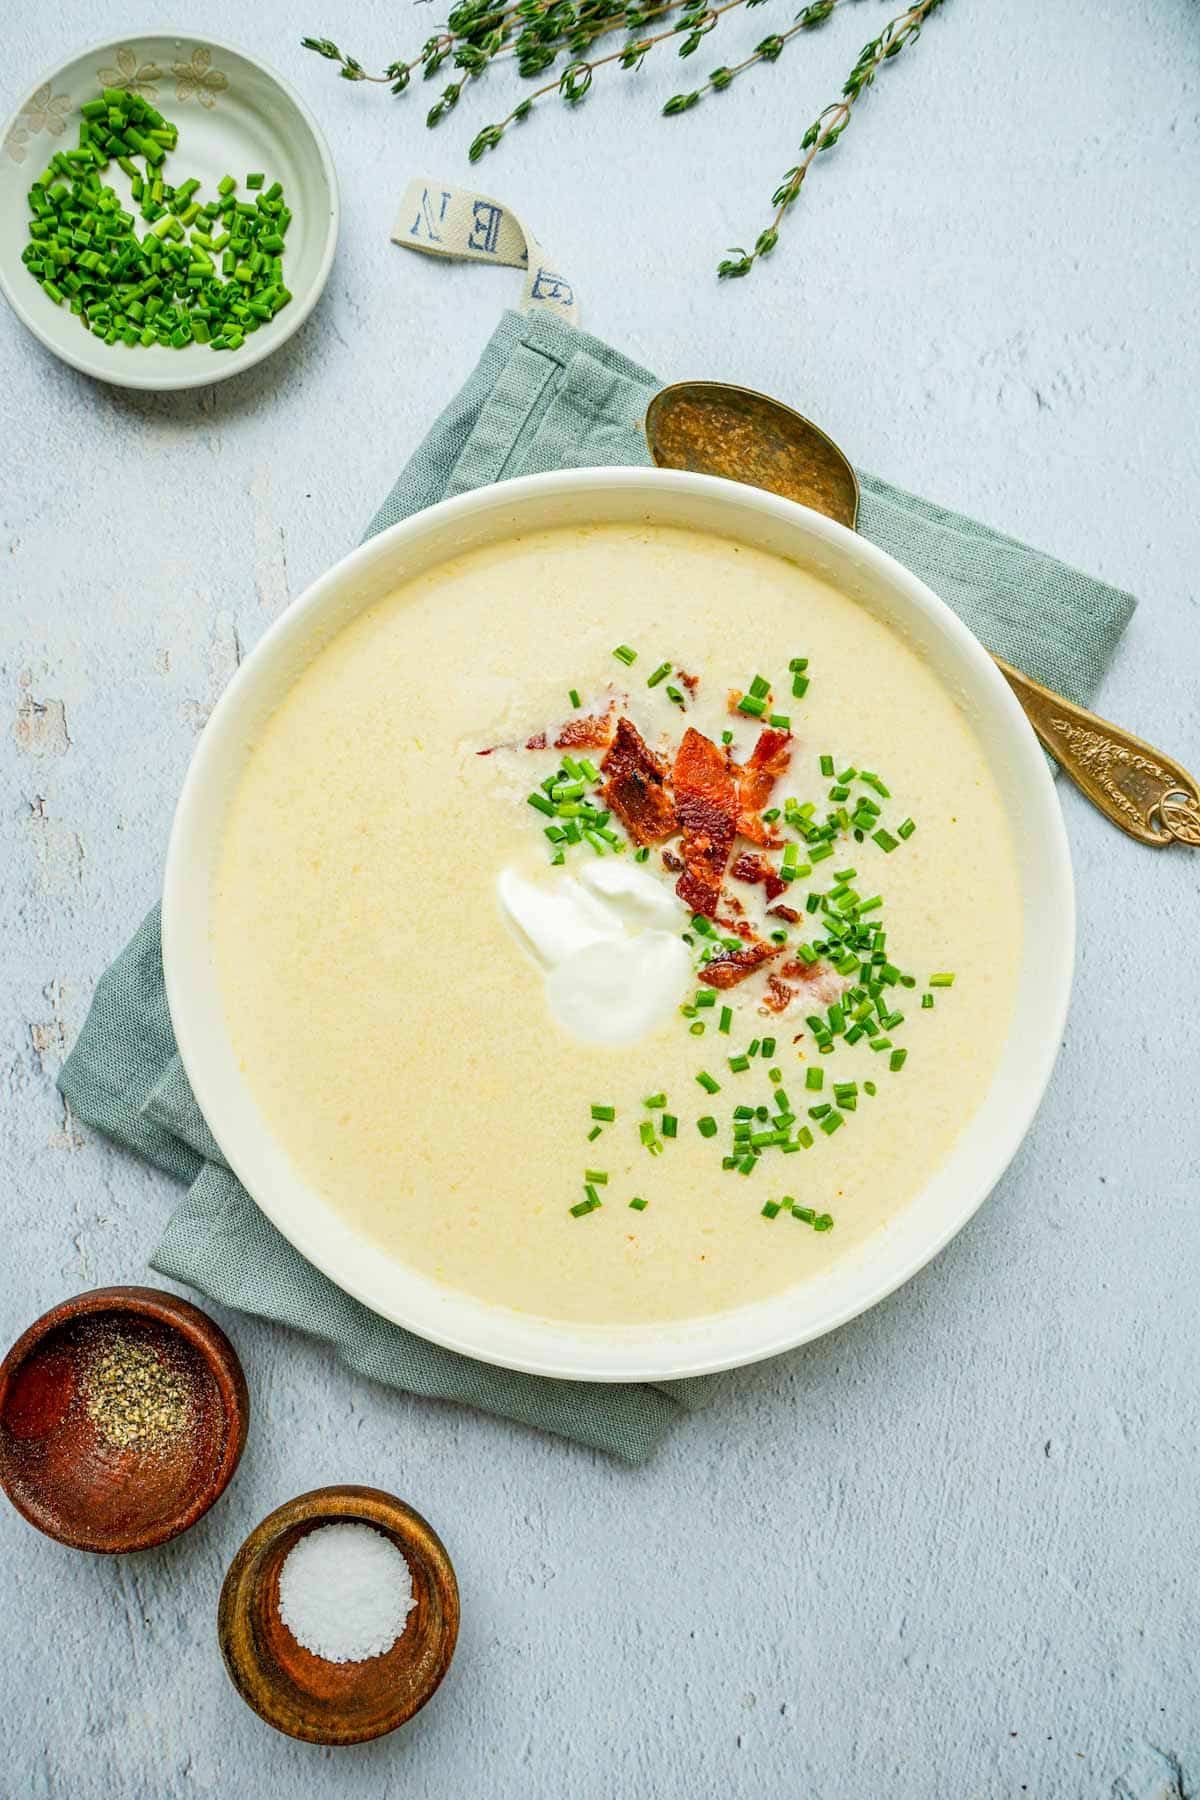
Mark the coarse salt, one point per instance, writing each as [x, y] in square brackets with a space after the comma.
[345, 1592]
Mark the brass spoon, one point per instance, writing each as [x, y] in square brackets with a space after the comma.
[713, 429]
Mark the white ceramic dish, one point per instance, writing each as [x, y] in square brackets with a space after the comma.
[233, 115]
[855, 1282]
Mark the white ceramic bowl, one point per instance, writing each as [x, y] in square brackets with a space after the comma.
[988, 1140]
[234, 116]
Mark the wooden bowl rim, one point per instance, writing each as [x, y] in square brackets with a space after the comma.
[205, 1337]
[321, 1506]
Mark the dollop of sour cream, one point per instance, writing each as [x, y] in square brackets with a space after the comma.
[607, 943]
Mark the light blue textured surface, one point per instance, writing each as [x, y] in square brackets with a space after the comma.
[949, 1551]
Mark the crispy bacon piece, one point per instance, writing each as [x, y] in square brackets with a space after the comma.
[636, 789]
[706, 801]
[589, 733]
[768, 761]
[753, 869]
[727, 970]
[536, 742]
[778, 995]
[672, 862]
[788, 913]
[690, 682]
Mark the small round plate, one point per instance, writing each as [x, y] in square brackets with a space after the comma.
[234, 116]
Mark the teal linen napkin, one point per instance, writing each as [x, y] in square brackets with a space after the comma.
[544, 396]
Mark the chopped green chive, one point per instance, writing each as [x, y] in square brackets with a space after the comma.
[624, 654]
[827, 765]
[897, 1059]
[885, 840]
[768, 1046]
[604, 1113]
[798, 665]
[660, 674]
[760, 687]
[943, 980]
[593, 1134]
[543, 805]
[771, 1209]
[669, 1125]
[649, 1137]
[697, 1030]
[726, 1020]
[799, 686]
[831, 1122]
[707, 1083]
[753, 707]
[780, 721]
[814, 1078]
[637, 1204]
[573, 697]
[926, 1001]
[598, 1177]
[906, 829]
[707, 1126]
[586, 1206]
[655, 1100]
[739, 1064]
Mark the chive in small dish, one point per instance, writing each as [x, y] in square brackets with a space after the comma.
[168, 211]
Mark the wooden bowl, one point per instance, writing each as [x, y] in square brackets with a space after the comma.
[302, 1694]
[56, 1464]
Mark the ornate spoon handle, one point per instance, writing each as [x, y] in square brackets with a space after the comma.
[1152, 798]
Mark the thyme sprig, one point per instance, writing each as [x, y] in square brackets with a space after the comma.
[536, 33]
[828, 127]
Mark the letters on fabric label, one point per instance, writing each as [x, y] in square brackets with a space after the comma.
[440, 220]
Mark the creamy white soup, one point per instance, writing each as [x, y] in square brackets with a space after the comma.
[617, 924]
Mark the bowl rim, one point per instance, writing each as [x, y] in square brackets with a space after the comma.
[561, 1349]
[301, 306]
[208, 1341]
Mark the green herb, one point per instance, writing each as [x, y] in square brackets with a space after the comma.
[906, 829]
[654, 1101]
[669, 1125]
[697, 1030]
[593, 1134]
[725, 1022]
[159, 288]
[814, 1078]
[939, 981]
[604, 1113]
[598, 1177]
[585, 1206]
[707, 1126]
[885, 840]
[780, 721]
[660, 674]
[897, 1059]
[707, 1083]
[752, 707]
[827, 765]
[771, 1209]
[926, 1002]
[674, 695]
[624, 654]
[637, 1204]
[573, 697]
